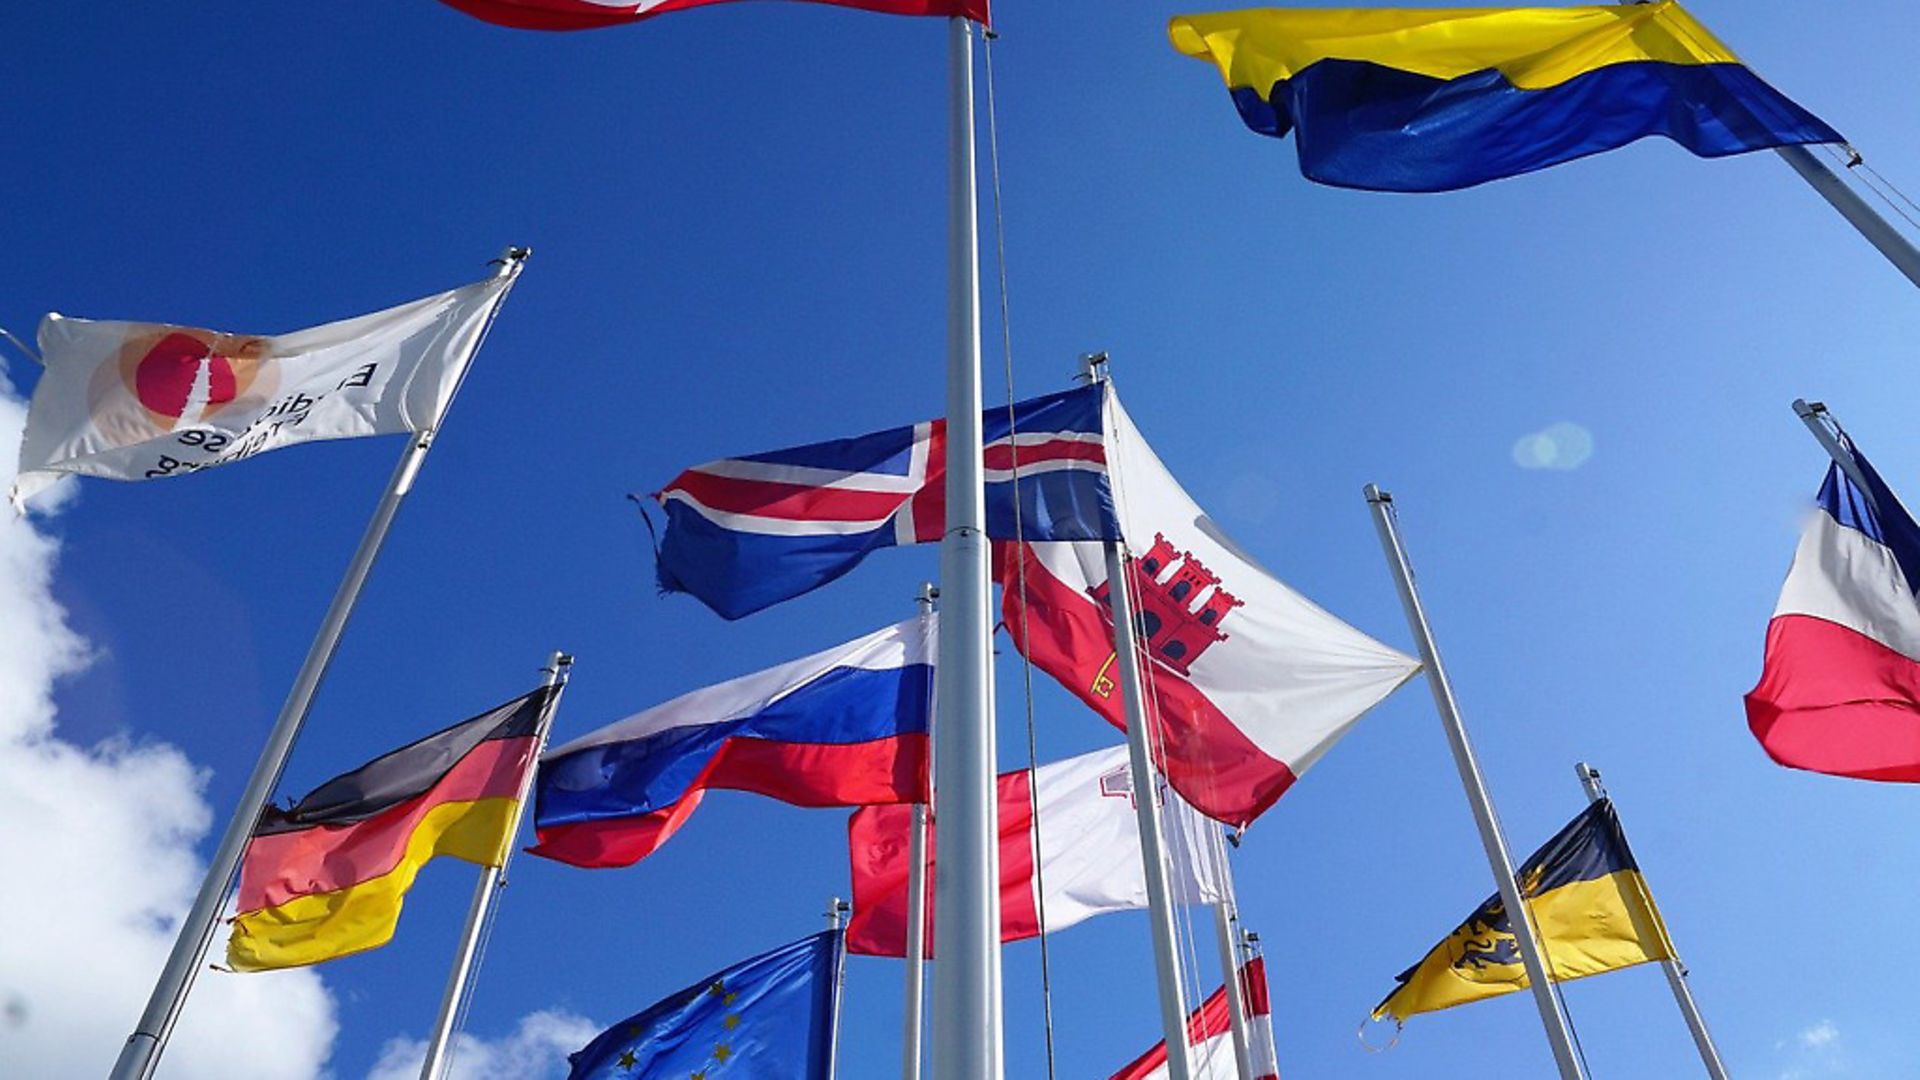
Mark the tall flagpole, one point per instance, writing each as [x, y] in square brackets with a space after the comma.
[492, 880]
[143, 1048]
[1146, 798]
[1559, 1034]
[836, 912]
[1675, 971]
[1878, 230]
[966, 981]
[916, 908]
[1226, 926]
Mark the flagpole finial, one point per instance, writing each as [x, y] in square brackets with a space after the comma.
[1093, 366]
[511, 260]
[929, 592]
[1376, 496]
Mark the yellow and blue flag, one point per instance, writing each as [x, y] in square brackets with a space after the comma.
[1589, 904]
[1436, 99]
[771, 1016]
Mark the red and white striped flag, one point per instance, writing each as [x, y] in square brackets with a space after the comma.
[1083, 860]
[1210, 1036]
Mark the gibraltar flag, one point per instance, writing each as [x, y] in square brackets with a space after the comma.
[1210, 1035]
[1251, 681]
[591, 14]
[1086, 852]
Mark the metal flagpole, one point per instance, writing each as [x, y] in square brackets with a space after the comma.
[1146, 790]
[144, 1047]
[1818, 419]
[1878, 230]
[1559, 1034]
[966, 981]
[836, 908]
[1676, 971]
[916, 908]
[1226, 926]
[492, 880]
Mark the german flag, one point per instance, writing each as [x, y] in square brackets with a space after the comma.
[326, 878]
[1589, 902]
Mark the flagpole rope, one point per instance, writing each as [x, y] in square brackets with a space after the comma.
[1851, 159]
[1020, 546]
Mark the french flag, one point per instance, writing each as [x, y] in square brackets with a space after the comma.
[1210, 1036]
[746, 533]
[843, 727]
[1840, 689]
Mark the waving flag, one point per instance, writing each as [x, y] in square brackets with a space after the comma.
[1082, 860]
[592, 14]
[771, 1017]
[145, 401]
[1840, 689]
[749, 532]
[327, 877]
[1434, 99]
[1589, 902]
[1251, 681]
[843, 727]
[1210, 1035]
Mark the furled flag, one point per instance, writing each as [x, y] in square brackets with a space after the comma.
[769, 1017]
[1589, 904]
[1210, 1036]
[1251, 682]
[1083, 859]
[1435, 99]
[843, 727]
[592, 14]
[327, 877]
[141, 401]
[745, 533]
[1840, 689]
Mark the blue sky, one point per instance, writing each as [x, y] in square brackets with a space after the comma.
[738, 224]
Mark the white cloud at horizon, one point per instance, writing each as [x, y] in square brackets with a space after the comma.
[535, 1050]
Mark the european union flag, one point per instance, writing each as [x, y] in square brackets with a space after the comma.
[771, 1016]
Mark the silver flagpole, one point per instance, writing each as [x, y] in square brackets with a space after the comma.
[1818, 419]
[492, 880]
[836, 909]
[1878, 230]
[1676, 971]
[1226, 926]
[916, 908]
[966, 981]
[1559, 1034]
[144, 1047]
[1146, 790]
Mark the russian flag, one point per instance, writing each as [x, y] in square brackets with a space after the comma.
[748, 532]
[843, 727]
[1840, 690]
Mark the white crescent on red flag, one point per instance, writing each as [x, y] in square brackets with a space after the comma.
[1251, 682]
[592, 14]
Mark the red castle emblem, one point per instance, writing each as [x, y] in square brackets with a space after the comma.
[1179, 618]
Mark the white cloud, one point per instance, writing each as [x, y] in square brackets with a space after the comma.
[1564, 445]
[538, 1048]
[1819, 1035]
[98, 845]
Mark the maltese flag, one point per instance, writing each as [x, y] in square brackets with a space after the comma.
[1251, 682]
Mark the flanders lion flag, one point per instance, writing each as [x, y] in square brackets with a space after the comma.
[1589, 903]
[326, 877]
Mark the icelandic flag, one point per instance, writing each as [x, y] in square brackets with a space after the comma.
[769, 1017]
[843, 727]
[1840, 689]
[746, 533]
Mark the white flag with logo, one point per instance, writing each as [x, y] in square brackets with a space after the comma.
[141, 401]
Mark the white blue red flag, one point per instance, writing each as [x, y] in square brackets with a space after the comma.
[843, 727]
[1840, 689]
[592, 14]
[746, 533]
